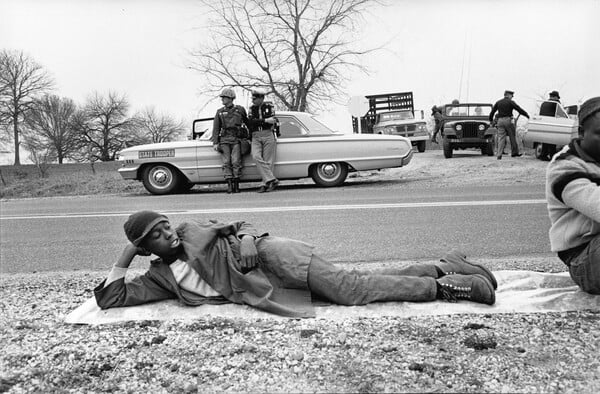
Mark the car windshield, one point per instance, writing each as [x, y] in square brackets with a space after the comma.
[400, 115]
[469, 110]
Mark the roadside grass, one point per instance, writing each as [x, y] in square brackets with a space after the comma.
[71, 179]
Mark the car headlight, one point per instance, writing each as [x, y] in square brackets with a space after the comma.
[421, 127]
[388, 130]
[481, 127]
[458, 127]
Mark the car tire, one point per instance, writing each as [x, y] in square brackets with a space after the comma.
[161, 179]
[421, 146]
[329, 174]
[488, 149]
[542, 151]
[447, 148]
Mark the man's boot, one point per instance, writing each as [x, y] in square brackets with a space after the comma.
[474, 288]
[456, 262]
[229, 186]
[236, 185]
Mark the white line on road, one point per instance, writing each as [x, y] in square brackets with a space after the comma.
[340, 207]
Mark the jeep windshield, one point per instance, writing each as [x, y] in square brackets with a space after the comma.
[400, 115]
[468, 110]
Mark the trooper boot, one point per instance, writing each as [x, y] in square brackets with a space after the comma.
[236, 185]
[474, 288]
[229, 186]
[456, 262]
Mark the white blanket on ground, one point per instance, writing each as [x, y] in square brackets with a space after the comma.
[518, 292]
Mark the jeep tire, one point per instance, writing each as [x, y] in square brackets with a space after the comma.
[447, 148]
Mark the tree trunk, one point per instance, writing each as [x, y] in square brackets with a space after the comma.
[16, 136]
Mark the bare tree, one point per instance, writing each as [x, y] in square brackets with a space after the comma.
[299, 50]
[103, 126]
[21, 79]
[150, 127]
[50, 123]
[40, 155]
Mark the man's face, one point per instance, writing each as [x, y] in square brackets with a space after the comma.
[258, 100]
[590, 142]
[162, 240]
[226, 100]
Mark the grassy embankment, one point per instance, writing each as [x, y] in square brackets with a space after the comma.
[64, 180]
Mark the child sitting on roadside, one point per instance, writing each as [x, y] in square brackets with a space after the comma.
[573, 194]
[216, 263]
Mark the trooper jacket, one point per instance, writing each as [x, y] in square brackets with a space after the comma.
[278, 285]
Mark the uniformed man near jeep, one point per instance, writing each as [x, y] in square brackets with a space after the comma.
[505, 107]
[261, 121]
[228, 132]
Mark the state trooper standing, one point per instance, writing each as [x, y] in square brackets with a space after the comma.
[505, 107]
[261, 119]
[228, 132]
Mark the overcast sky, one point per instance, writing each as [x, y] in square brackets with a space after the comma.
[439, 49]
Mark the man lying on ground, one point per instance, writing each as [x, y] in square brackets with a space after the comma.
[216, 262]
[573, 194]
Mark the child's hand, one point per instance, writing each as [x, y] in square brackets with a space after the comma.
[248, 252]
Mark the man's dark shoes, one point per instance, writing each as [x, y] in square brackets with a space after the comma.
[474, 288]
[456, 262]
[517, 155]
[229, 186]
[262, 189]
[272, 185]
[499, 157]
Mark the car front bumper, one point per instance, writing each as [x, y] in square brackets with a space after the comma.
[129, 172]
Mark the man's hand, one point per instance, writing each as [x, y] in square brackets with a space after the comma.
[216, 148]
[270, 120]
[248, 253]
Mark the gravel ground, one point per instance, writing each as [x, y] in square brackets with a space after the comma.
[544, 352]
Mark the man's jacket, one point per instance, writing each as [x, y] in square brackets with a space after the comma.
[279, 285]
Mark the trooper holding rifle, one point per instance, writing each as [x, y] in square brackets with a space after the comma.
[228, 133]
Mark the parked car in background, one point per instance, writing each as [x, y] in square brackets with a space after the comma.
[467, 126]
[551, 129]
[406, 123]
[306, 148]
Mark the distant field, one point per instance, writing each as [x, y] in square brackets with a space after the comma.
[64, 180]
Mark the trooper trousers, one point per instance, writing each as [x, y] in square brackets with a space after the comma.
[585, 267]
[231, 157]
[264, 147]
[357, 287]
[506, 126]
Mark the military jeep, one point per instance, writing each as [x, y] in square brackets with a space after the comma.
[467, 126]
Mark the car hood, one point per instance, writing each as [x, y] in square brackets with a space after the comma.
[398, 122]
[163, 145]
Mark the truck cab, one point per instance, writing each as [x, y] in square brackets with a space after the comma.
[403, 122]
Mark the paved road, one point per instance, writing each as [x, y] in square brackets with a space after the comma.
[363, 222]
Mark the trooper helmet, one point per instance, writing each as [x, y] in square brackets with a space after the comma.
[228, 92]
[258, 92]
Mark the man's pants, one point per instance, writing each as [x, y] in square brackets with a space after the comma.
[264, 147]
[585, 268]
[353, 287]
[232, 159]
[506, 126]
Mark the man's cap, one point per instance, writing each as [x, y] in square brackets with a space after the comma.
[228, 92]
[258, 92]
[139, 224]
[588, 108]
[509, 92]
[554, 93]
[434, 108]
